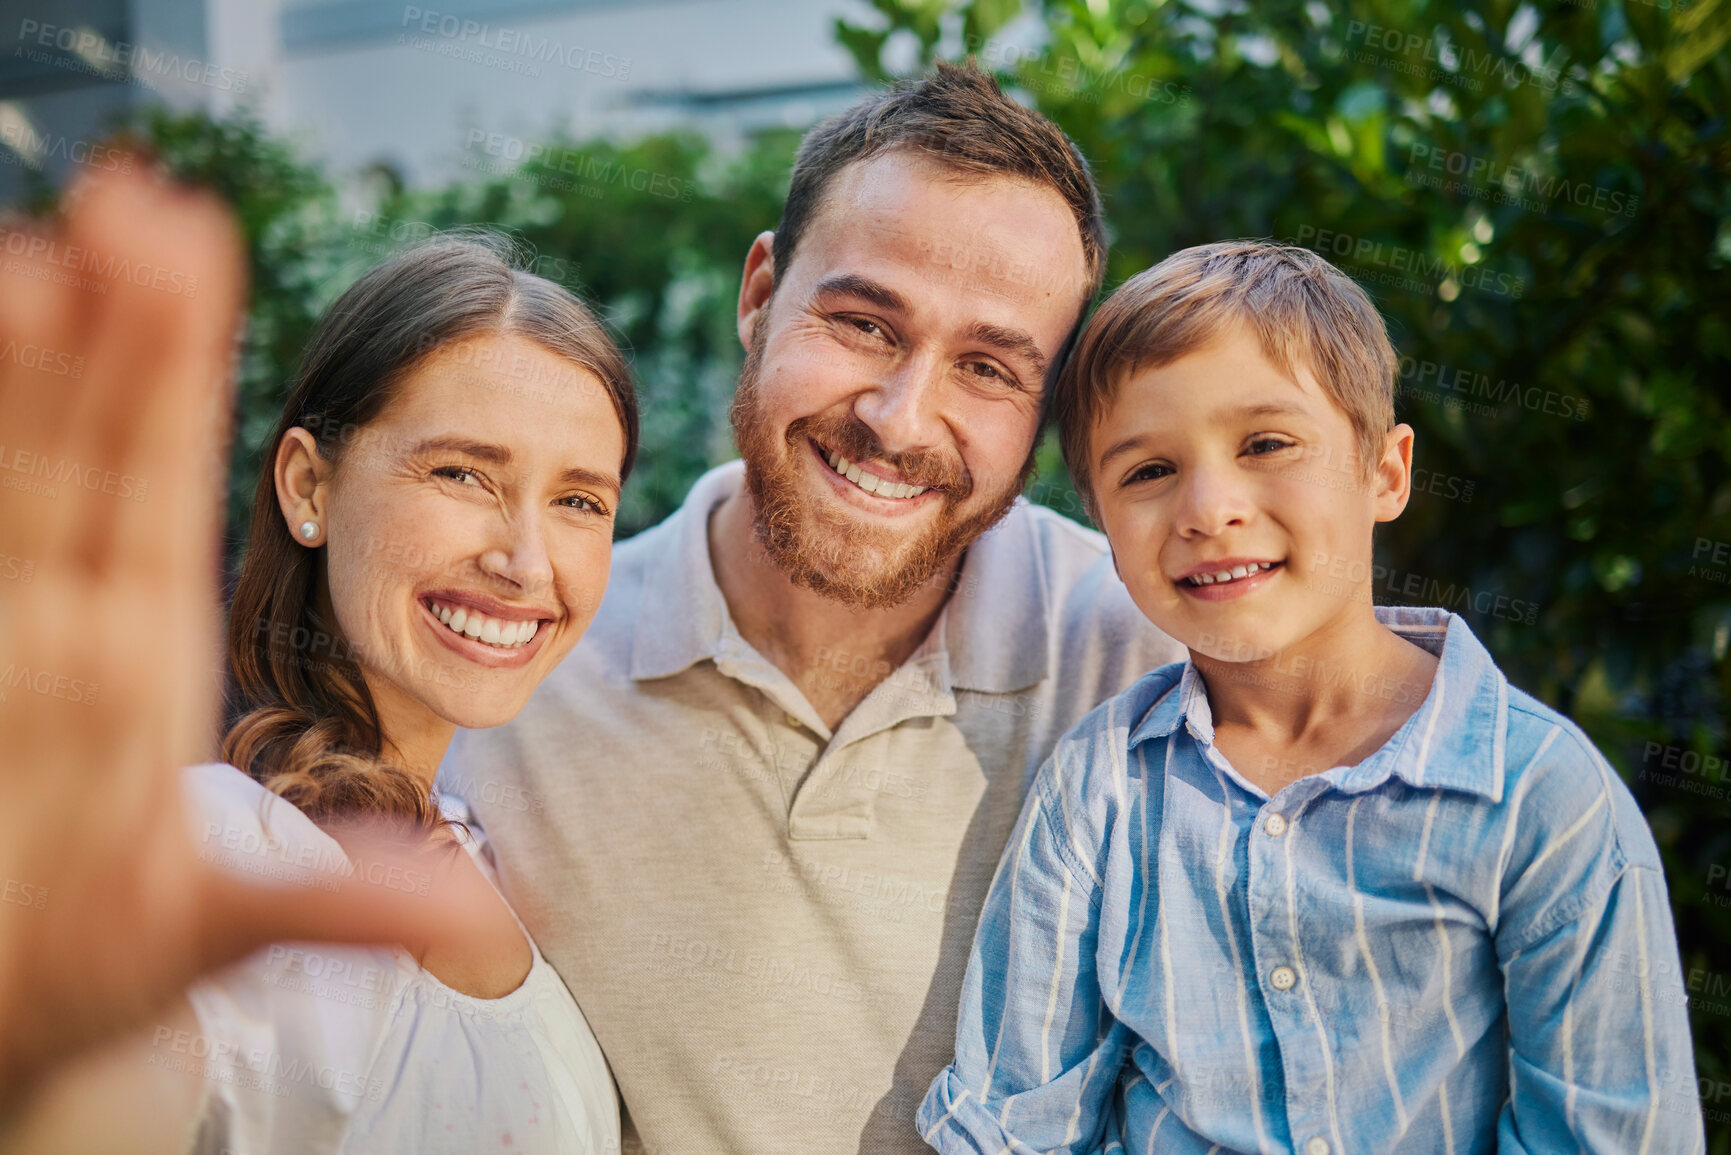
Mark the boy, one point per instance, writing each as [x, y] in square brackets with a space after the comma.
[1332, 885]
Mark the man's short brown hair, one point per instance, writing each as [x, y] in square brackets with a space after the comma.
[1302, 310]
[958, 116]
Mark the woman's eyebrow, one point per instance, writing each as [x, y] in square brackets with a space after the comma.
[590, 477]
[469, 447]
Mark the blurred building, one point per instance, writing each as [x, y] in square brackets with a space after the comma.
[418, 89]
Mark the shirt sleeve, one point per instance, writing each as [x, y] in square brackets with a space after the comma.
[1600, 1057]
[1037, 1052]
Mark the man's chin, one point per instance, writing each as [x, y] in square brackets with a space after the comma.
[850, 568]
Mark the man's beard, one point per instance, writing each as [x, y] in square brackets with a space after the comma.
[824, 550]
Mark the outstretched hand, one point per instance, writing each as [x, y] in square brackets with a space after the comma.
[118, 332]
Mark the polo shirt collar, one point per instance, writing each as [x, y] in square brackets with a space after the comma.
[994, 631]
[1455, 740]
[683, 617]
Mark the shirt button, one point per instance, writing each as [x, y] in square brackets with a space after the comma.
[1283, 978]
[1275, 824]
[1317, 1146]
[794, 722]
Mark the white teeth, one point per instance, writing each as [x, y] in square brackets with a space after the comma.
[1233, 574]
[871, 483]
[492, 631]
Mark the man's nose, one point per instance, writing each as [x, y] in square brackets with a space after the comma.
[903, 406]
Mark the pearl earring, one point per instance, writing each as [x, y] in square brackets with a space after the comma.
[309, 529]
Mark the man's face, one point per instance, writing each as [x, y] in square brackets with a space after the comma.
[891, 393]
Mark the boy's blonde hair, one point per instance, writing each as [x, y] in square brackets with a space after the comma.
[1302, 309]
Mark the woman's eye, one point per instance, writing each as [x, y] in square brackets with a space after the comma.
[584, 503]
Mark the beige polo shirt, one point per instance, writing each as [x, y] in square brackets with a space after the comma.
[764, 921]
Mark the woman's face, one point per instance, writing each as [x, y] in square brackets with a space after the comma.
[468, 529]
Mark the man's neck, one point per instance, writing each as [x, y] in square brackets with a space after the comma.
[835, 654]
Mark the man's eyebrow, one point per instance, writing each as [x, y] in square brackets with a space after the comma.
[854, 285]
[1010, 341]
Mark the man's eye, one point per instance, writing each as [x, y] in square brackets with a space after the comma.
[869, 328]
[461, 474]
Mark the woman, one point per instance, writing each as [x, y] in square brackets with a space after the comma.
[432, 536]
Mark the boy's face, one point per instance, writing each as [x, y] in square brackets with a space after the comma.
[1239, 514]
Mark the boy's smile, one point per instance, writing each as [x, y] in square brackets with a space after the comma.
[1227, 487]
[1226, 579]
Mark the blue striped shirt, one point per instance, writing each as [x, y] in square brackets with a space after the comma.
[1460, 944]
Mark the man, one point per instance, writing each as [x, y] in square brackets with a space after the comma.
[752, 818]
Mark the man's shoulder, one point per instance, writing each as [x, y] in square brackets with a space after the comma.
[1092, 605]
[1092, 756]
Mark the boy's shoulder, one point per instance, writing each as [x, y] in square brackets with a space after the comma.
[1084, 778]
[1560, 786]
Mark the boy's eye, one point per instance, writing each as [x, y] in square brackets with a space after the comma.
[1152, 471]
[1261, 445]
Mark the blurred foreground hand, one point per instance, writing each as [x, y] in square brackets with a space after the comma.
[117, 334]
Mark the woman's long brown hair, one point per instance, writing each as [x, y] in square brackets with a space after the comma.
[303, 722]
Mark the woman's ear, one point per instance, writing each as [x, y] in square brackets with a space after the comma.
[302, 486]
[1392, 478]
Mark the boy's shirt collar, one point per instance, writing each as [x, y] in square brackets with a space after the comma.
[1453, 741]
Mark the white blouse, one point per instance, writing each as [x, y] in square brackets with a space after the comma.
[309, 1048]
